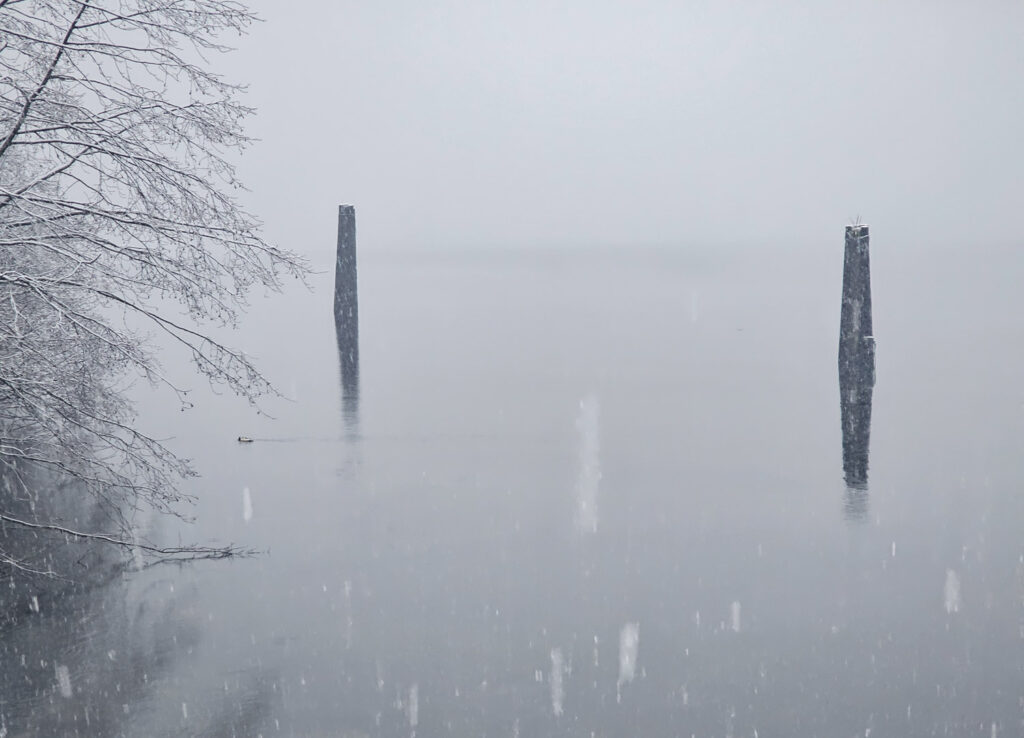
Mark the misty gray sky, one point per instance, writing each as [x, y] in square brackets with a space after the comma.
[552, 122]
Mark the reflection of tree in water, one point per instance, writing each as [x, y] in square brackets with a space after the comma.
[88, 659]
[94, 650]
[41, 563]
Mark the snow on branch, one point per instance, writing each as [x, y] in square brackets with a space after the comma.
[118, 207]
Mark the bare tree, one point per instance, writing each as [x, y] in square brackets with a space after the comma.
[117, 216]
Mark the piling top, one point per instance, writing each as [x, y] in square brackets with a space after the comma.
[345, 206]
[861, 229]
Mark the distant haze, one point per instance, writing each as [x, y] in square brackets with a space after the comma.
[591, 122]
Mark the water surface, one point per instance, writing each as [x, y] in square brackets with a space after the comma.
[580, 493]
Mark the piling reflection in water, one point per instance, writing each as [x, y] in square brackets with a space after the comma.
[346, 317]
[348, 358]
[856, 369]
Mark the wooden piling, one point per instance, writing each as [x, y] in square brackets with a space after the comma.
[346, 292]
[856, 367]
[346, 312]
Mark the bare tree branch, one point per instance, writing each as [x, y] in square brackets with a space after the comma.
[117, 216]
[164, 552]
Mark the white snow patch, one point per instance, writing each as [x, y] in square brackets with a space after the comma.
[952, 591]
[589, 477]
[140, 525]
[63, 680]
[629, 643]
[246, 505]
[734, 617]
[557, 685]
[138, 561]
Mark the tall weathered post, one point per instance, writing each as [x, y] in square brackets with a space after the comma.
[856, 368]
[346, 314]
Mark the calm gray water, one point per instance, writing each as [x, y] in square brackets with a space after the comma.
[581, 494]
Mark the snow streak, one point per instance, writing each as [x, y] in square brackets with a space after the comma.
[952, 592]
[589, 477]
[629, 643]
[557, 683]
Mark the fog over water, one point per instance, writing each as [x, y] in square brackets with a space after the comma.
[614, 123]
[590, 459]
[426, 565]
